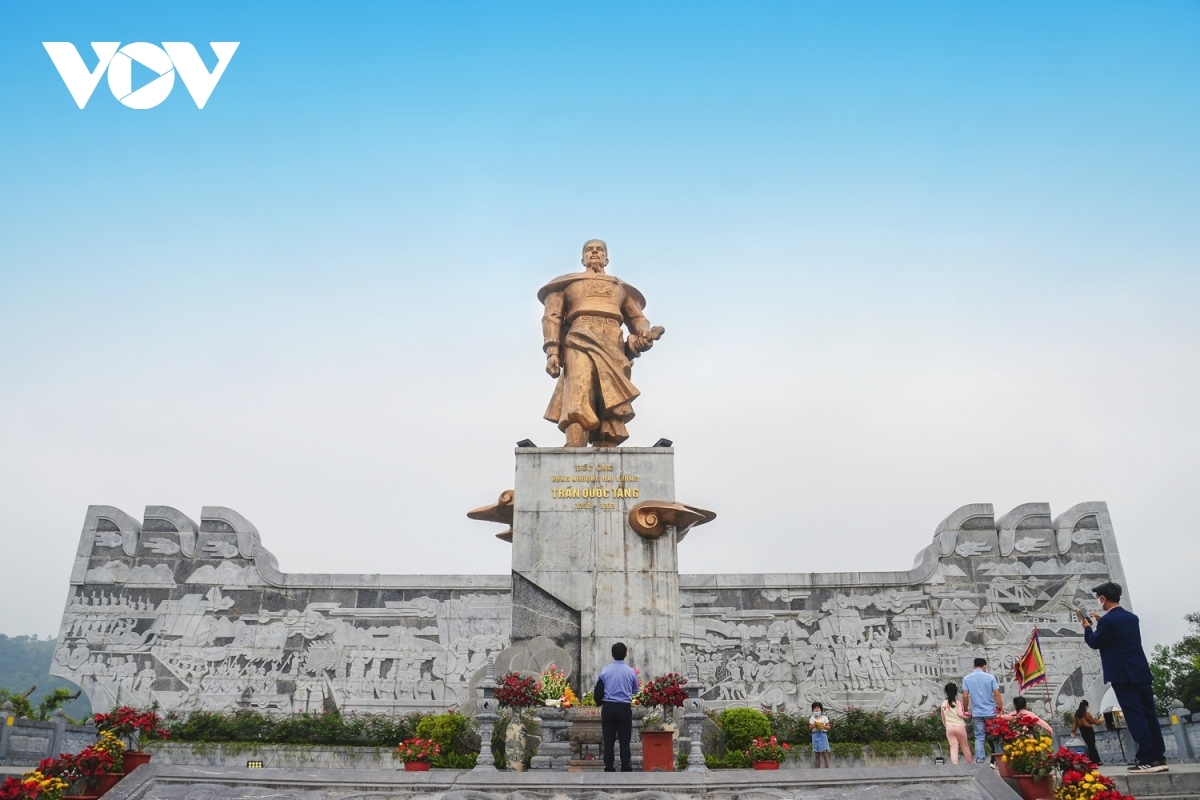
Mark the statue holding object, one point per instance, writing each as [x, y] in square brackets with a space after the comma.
[586, 352]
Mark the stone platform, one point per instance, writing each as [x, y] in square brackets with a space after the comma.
[902, 783]
[1182, 782]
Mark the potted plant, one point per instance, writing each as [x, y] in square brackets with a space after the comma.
[767, 752]
[1081, 780]
[417, 753]
[1027, 751]
[131, 725]
[112, 752]
[518, 692]
[92, 772]
[662, 693]
[33, 786]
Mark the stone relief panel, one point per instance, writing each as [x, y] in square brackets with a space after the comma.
[199, 617]
[786, 641]
[222, 629]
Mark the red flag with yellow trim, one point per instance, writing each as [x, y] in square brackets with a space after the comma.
[1030, 669]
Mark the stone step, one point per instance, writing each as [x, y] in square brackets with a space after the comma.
[1182, 781]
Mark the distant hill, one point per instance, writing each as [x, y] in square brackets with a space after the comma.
[25, 661]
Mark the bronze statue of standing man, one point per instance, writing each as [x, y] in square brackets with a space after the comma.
[585, 350]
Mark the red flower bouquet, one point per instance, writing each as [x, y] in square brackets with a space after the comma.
[517, 691]
[771, 749]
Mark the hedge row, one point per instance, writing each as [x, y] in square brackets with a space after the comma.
[329, 728]
[861, 727]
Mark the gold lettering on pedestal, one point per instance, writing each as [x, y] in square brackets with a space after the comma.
[588, 492]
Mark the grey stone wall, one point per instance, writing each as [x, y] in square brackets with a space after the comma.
[891, 641]
[198, 616]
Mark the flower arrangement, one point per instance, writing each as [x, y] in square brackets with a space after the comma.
[33, 786]
[1027, 747]
[130, 724]
[1081, 780]
[112, 746]
[666, 691]
[422, 750]
[662, 693]
[553, 686]
[588, 700]
[515, 690]
[569, 699]
[767, 749]
[85, 767]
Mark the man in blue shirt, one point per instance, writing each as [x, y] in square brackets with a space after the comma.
[1118, 637]
[981, 693]
[615, 689]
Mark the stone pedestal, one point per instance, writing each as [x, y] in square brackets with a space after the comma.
[555, 750]
[581, 575]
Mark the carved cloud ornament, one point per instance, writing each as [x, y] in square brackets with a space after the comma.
[501, 511]
[650, 518]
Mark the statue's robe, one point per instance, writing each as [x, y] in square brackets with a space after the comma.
[582, 322]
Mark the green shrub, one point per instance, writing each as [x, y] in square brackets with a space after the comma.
[454, 761]
[741, 726]
[862, 727]
[445, 729]
[846, 750]
[899, 749]
[790, 728]
[367, 730]
[734, 759]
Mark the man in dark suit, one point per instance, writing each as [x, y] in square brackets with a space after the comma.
[1118, 637]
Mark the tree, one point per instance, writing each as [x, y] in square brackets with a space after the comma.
[24, 662]
[20, 701]
[1176, 670]
[54, 701]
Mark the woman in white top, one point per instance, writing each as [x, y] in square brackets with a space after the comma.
[954, 717]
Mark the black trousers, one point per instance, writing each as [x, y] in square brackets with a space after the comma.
[616, 720]
[1089, 738]
[1137, 704]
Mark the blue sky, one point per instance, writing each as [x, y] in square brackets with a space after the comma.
[908, 255]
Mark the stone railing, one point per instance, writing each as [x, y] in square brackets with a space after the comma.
[25, 742]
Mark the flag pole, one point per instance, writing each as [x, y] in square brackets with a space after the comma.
[1046, 683]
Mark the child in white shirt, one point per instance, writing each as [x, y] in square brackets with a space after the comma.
[818, 723]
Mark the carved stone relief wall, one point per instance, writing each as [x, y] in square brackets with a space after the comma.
[198, 616]
[891, 641]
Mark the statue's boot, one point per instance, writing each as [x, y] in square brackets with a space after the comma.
[577, 435]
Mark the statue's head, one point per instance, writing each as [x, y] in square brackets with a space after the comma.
[595, 255]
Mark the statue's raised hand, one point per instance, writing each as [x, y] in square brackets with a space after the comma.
[552, 365]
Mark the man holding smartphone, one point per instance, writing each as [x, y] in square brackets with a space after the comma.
[1118, 637]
